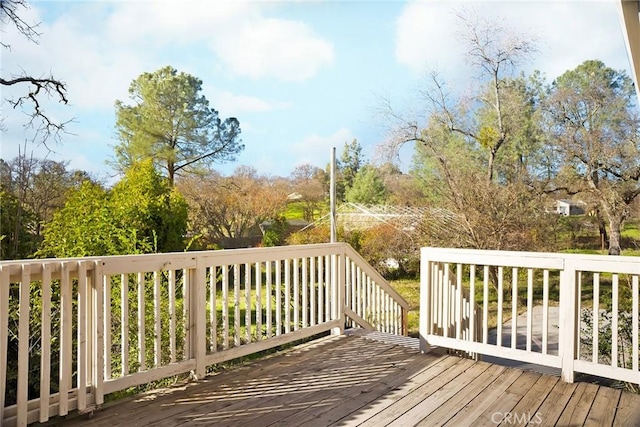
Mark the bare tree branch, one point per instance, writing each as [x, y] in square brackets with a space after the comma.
[10, 14]
[43, 124]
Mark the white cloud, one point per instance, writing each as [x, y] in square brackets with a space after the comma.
[569, 32]
[247, 42]
[314, 148]
[230, 104]
[165, 22]
[424, 37]
[98, 48]
[578, 32]
[266, 47]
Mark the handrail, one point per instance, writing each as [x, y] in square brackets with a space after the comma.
[105, 324]
[373, 273]
[555, 304]
[373, 303]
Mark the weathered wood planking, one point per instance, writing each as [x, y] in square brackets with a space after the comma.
[356, 381]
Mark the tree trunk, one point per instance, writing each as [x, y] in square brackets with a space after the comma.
[615, 224]
[602, 228]
[171, 172]
[490, 166]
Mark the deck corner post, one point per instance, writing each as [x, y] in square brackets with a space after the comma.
[425, 300]
[425, 347]
[405, 322]
[198, 327]
[97, 333]
[4, 332]
[567, 322]
[338, 280]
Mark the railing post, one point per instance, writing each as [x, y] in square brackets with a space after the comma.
[198, 318]
[425, 300]
[97, 333]
[82, 337]
[45, 337]
[23, 346]
[338, 280]
[4, 333]
[568, 334]
[66, 340]
[405, 321]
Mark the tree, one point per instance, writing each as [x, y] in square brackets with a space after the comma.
[477, 213]
[496, 51]
[349, 164]
[225, 209]
[142, 214]
[144, 201]
[368, 188]
[488, 118]
[84, 226]
[171, 122]
[15, 240]
[308, 182]
[596, 136]
[477, 152]
[36, 87]
[402, 189]
[39, 187]
[392, 252]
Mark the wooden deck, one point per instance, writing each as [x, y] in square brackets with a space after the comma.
[351, 380]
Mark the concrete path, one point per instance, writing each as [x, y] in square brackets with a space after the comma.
[536, 339]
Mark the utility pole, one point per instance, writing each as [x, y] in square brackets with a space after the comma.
[332, 195]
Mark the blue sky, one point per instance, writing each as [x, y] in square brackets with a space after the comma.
[301, 77]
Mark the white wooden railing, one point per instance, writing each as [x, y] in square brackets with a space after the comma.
[555, 303]
[75, 330]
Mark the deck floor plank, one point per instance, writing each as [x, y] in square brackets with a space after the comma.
[360, 381]
[506, 401]
[307, 406]
[265, 392]
[415, 413]
[528, 406]
[485, 400]
[627, 413]
[467, 393]
[356, 400]
[604, 406]
[372, 410]
[417, 395]
[552, 407]
[577, 409]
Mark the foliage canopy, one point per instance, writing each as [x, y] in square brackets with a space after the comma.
[141, 214]
[171, 122]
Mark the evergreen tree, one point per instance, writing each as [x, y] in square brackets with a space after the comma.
[172, 123]
[368, 188]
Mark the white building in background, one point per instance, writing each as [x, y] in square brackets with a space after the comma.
[570, 207]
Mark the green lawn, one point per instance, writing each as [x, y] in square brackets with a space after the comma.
[410, 290]
[632, 230]
[295, 210]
